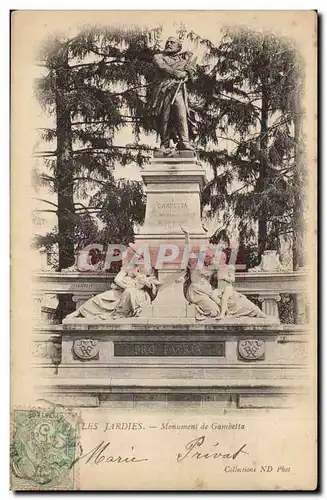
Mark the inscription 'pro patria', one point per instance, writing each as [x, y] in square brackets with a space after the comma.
[172, 348]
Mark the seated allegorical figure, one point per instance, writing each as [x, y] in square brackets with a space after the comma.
[231, 302]
[133, 289]
[220, 300]
[198, 287]
[199, 291]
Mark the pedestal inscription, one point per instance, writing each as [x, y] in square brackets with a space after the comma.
[172, 348]
[169, 213]
[173, 187]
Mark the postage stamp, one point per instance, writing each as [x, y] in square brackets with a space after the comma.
[42, 450]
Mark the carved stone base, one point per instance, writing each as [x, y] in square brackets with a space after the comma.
[221, 400]
[233, 320]
[161, 314]
[218, 365]
[169, 311]
[173, 186]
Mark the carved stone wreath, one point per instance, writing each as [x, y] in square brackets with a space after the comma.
[86, 349]
[251, 349]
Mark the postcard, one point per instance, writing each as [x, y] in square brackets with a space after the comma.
[163, 250]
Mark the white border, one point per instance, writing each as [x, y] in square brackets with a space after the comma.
[319, 5]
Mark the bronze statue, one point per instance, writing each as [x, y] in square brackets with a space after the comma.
[169, 102]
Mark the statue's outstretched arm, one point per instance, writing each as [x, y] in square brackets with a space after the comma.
[187, 236]
[231, 274]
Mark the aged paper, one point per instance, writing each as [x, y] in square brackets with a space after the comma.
[157, 391]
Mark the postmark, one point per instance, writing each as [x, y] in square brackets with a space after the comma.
[43, 450]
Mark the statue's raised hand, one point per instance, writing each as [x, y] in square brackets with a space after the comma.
[185, 231]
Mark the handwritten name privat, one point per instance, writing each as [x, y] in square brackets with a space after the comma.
[191, 451]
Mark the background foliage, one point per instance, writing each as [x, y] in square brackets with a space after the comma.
[247, 96]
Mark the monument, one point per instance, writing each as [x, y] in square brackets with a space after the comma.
[173, 325]
[173, 285]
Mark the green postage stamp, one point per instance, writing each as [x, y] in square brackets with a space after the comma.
[43, 450]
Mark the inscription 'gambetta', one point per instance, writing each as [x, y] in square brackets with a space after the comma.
[171, 205]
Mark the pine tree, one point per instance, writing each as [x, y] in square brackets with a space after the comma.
[96, 84]
[248, 98]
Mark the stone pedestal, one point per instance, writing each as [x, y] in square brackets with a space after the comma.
[218, 365]
[170, 302]
[173, 186]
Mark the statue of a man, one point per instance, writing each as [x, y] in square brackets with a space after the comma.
[169, 100]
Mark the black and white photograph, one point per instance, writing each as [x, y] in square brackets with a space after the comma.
[164, 169]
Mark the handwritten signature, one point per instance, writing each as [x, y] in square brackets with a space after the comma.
[194, 449]
[198, 442]
[100, 454]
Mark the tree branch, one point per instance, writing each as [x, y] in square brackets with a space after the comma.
[134, 88]
[99, 122]
[46, 177]
[88, 209]
[52, 211]
[42, 154]
[102, 151]
[46, 201]
[45, 128]
[45, 154]
[228, 139]
[103, 183]
[83, 207]
[104, 63]
[96, 51]
[240, 189]
[237, 100]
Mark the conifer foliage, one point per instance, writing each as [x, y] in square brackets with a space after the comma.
[95, 85]
[251, 106]
[247, 96]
